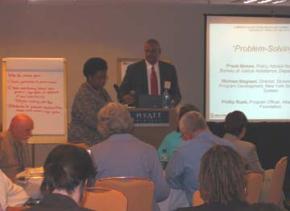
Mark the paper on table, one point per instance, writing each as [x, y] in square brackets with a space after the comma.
[30, 173]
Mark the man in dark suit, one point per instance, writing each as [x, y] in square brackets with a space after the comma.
[149, 77]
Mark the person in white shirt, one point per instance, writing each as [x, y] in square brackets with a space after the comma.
[149, 76]
[11, 195]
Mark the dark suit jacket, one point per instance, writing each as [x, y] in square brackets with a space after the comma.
[136, 80]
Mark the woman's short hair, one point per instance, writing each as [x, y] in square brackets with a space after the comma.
[114, 118]
[67, 167]
[235, 122]
[94, 65]
[221, 176]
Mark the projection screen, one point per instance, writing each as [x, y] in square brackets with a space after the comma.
[248, 67]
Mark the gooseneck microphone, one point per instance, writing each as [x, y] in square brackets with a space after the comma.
[117, 90]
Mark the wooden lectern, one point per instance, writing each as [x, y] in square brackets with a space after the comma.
[152, 124]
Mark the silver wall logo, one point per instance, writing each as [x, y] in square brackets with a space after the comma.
[150, 117]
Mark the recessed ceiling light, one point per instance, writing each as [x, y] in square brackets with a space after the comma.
[249, 1]
[264, 1]
[279, 2]
[35, 1]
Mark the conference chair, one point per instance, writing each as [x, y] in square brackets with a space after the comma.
[104, 199]
[15, 208]
[276, 186]
[254, 182]
[138, 191]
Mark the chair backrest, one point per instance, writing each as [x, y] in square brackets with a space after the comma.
[196, 199]
[105, 200]
[138, 191]
[14, 208]
[254, 182]
[276, 187]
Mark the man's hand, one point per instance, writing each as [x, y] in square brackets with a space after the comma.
[128, 99]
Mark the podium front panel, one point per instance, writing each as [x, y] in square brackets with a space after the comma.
[152, 125]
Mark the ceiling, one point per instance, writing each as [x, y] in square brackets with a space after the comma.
[210, 2]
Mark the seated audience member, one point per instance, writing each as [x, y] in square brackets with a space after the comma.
[90, 98]
[11, 195]
[173, 139]
[235, 128]
[14, 152]
[122, 154]
[222, 184]
[66, 171]
[183, 168]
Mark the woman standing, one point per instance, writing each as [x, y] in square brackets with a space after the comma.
[90, 98]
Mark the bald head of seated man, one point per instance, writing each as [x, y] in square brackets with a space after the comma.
[14, 153]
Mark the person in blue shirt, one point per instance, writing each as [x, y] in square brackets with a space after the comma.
[122, 154]
[173, 139]
[183, 168]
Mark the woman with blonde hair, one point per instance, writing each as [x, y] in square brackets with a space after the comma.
[222, 181]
